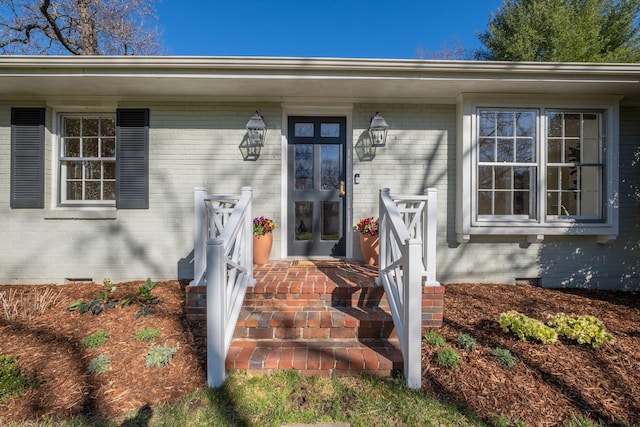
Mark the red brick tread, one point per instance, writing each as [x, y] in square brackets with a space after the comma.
[324, 358]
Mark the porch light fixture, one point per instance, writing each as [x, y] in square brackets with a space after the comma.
[378, 131]
[256, 129]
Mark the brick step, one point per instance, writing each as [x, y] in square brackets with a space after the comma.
[311, 323]
[322, 358]
[317, 294]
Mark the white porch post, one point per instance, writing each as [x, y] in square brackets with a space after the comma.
[412, 302]
[216, 312]
[199, 234]
[430, 233]
[247, 194]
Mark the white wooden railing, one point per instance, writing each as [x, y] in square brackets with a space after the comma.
[407, 261]
[223, 261]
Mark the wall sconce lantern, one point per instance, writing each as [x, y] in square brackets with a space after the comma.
[256, 129]
[378, 131]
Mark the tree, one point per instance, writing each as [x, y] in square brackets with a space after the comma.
[78, 27]
[449, 51]
[563, 31]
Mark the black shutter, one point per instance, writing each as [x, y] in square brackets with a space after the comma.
[27, 157]
[132, 159]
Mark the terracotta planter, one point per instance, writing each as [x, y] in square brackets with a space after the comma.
[370, 249]
[262, 248]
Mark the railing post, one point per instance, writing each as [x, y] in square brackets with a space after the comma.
[199, 234]
[216, 312]
[412, 314]
[248, 231]
[430, 231]
[383, 233]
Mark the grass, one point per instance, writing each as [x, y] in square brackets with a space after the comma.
[286, 397]
[147, 334]
[95, 340]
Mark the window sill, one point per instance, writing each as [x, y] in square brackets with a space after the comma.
[97, 214]
[603, 233]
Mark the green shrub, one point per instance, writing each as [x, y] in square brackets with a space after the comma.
[12, 382]
[525, 327]
[100, 364]
[435, 339]
[160, 355]
[95, 340]
[147, 334]
[504, 357]
[143, 298]
[97, 304]
[466, 341]
[448, 357]
[582, 329]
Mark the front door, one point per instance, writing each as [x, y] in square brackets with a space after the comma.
[316, 208]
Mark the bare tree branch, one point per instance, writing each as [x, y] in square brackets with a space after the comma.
[78, 27]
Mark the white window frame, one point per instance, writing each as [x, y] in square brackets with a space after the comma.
[538, 224]
[59, 171]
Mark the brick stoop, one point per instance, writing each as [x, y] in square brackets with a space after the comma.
[315, 320]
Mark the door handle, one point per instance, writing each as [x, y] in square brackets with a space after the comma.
[343, 191]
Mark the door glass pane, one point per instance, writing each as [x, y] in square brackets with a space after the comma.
[303, 164]
[303, 220]
[330, 221]
[330, 167]
[330, 130]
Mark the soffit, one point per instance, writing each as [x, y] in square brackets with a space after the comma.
[290, 78]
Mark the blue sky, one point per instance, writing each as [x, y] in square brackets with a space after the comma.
[321, 28]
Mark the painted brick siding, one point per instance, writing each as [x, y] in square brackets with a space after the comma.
[199, 144]
[190, 145]
[421, 153]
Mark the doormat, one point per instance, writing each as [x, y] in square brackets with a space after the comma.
[321, 263]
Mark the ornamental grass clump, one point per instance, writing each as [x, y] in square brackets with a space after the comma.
[12, 382]
[369, 226]
[95, 340]
[581, 329]
[448, 357]
[159, 356]
[435, 339]
[504, 357]
[466, 341]
[526, 328]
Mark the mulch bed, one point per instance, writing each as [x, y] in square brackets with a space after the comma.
[548, 386]
[49, 347]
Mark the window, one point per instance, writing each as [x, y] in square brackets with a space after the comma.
[88, 159]
[101, 159]
[537, 171]
[575, 167]
[507, 163]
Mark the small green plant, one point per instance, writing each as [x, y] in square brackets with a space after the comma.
[12, 382]
[99, 303]
[160, 355]
[100, 364]
[582, 329]
[434, 338]
[95, 340]
[144, 298]
[466, 341]
[504, 357]
[525, 327]
[147, 334]
[448, 357]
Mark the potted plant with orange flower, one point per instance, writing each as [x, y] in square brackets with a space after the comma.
[262, 239]
[369, 240]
